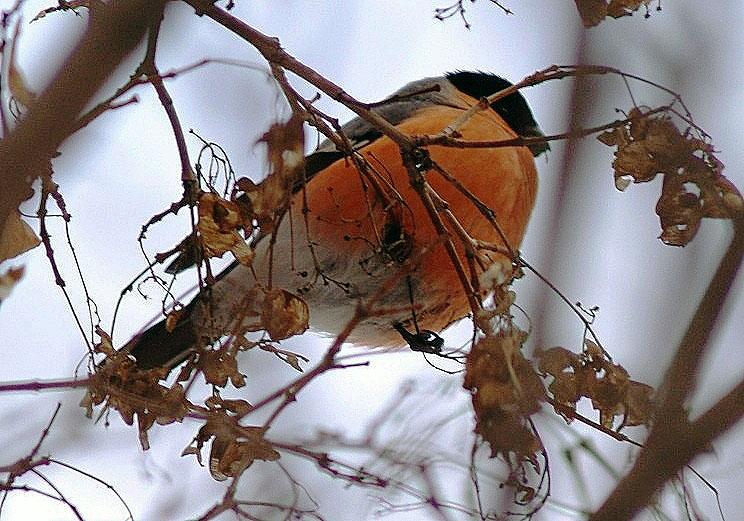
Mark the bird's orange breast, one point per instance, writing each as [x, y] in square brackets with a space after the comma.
[350, 211]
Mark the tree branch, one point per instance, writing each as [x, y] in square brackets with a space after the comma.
[111, 35]
[673, 440]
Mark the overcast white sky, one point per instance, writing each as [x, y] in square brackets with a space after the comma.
[123, 168]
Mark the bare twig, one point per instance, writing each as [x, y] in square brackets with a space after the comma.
[34, 141]
[673, 440]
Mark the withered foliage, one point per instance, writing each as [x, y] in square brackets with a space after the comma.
[8, 279]
[133, 392]
[234, 447]
[592, 375]
[224, 225]
[592, 12]
[219, 223]
[284, 314]
[16, 237]
[505, 390]
[267, 200]
[693, 184]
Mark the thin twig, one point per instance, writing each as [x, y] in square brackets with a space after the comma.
[673, 440]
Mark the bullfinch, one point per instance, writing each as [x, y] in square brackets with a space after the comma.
[343, 236]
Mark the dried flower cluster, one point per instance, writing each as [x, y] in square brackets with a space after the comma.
[592, 12]
[506, 390]
[134, 392]
[693, 184]
[592, 375]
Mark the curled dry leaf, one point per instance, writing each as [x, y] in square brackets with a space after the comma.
[219, 222]
[592, 12]
[219, 366]
[235, 406]
[134, 393]
[234, 447]
[505, 391]
[17, 237]
[286, 155]
[693, 186]
[293, 359]
[608, 385]
[284, 314]
[171, 320]
[64, 5]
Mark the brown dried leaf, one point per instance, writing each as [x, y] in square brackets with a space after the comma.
[218, 366]
[693, 184]
[592, 12]
[17, 237]
[286, 155]
[288, 357]
[229, 458]
[16, 82]
[590, 374]
[508, 433]
[556, 360]
[620, 8]
[639, 405]
[106, 345]
[217, 403]
[171, 321]
[284, 314]
[234, 448]
[505, 391]
[134, 393]
[635, 161]
[63, 6]
[219, 222]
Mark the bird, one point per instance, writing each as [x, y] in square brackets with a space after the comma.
[341, 240]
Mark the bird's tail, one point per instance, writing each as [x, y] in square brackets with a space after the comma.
[158, 347]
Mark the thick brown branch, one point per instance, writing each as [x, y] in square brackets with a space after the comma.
[112, 35]
[673, 440]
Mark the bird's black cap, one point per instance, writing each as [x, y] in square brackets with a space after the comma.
[512, 108]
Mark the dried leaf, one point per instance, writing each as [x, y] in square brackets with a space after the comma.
[505, 391]
[234, 448]
[288, 357]
[134, 393]
[17, 237]
[592, 12]
[639, 405]
[286, 155]
[106, 345]
[556, 360]
[693, 186]
[284, 314]
[590, 374]
[219, 366]
[64, 5]
[171, 321]
[16, 82]
[219, 222]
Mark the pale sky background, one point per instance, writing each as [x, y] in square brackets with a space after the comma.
[122, 169]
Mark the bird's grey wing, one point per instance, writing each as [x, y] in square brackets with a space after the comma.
[394, 109]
